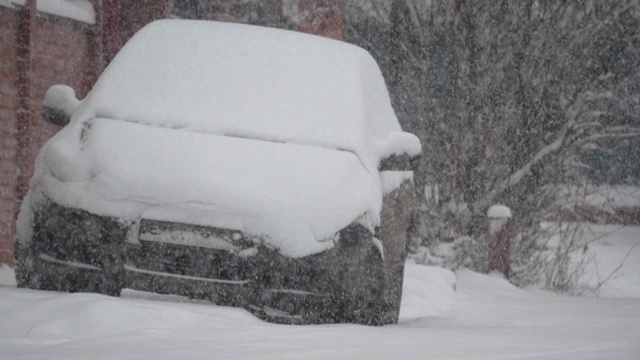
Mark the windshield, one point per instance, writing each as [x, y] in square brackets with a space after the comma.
[247, 81]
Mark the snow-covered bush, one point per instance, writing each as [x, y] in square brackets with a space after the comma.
[566, 259]
[462, 252]
[553, 256]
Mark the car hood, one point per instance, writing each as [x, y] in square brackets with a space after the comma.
[293, 196]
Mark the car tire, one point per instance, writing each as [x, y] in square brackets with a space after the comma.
[393, 294]
[363, 301]
[35, 273]
[63, 253]
[29, 272]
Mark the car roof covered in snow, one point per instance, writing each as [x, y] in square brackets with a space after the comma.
[255, 82]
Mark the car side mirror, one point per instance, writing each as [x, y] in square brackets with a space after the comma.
[400, 162]
[59, 104]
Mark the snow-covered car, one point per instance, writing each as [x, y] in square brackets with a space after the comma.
[254, 167]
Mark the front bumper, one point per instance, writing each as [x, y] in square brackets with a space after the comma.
[72, 250]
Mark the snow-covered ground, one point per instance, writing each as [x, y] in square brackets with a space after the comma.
[610, 251]
[484, 318]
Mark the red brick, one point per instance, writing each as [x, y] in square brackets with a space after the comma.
[8, 102]
[9, 218]
[7, 45]
[6, 238]
[7, 192]
[63, 31]
[8, 74]
[7, 207]
[6, 15]
[8, 212]
[7, 222]
[8, 29]
[6, 167]
[6, 256]
[6, 115]
[7, 226]
[8, 88]
[8, 179]
[8, 153]
[7, 230]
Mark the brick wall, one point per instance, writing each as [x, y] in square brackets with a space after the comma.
[136, 14]
[38, 50]
[8, 107]
[323, 17]
[61, 54]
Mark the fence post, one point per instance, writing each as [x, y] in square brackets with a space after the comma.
[499, 243]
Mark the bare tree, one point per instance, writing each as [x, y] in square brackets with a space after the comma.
[264, 12]
[505, 96]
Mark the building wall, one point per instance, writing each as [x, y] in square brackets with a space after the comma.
[8, 144]
[136, 14]
[60, 54]
[38, 50]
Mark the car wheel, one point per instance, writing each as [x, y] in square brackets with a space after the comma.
[29, 272]
[33, 272]
[73, 251]
[393, 293]
[362, 300]
[111, 278]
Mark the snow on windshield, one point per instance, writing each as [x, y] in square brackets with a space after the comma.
[250, 81]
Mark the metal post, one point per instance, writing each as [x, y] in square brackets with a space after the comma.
[499, 245]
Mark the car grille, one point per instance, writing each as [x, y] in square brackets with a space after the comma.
[193, 235]
[192, 250]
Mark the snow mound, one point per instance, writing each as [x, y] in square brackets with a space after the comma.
[604, 196]
[499, 212]
[427, 291]
[479, 283]
[7, 276]
[86, 315]
[616, 256]
[487, 319]
[391, 180]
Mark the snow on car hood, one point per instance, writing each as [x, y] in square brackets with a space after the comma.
[295, 197]
[256, 82]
